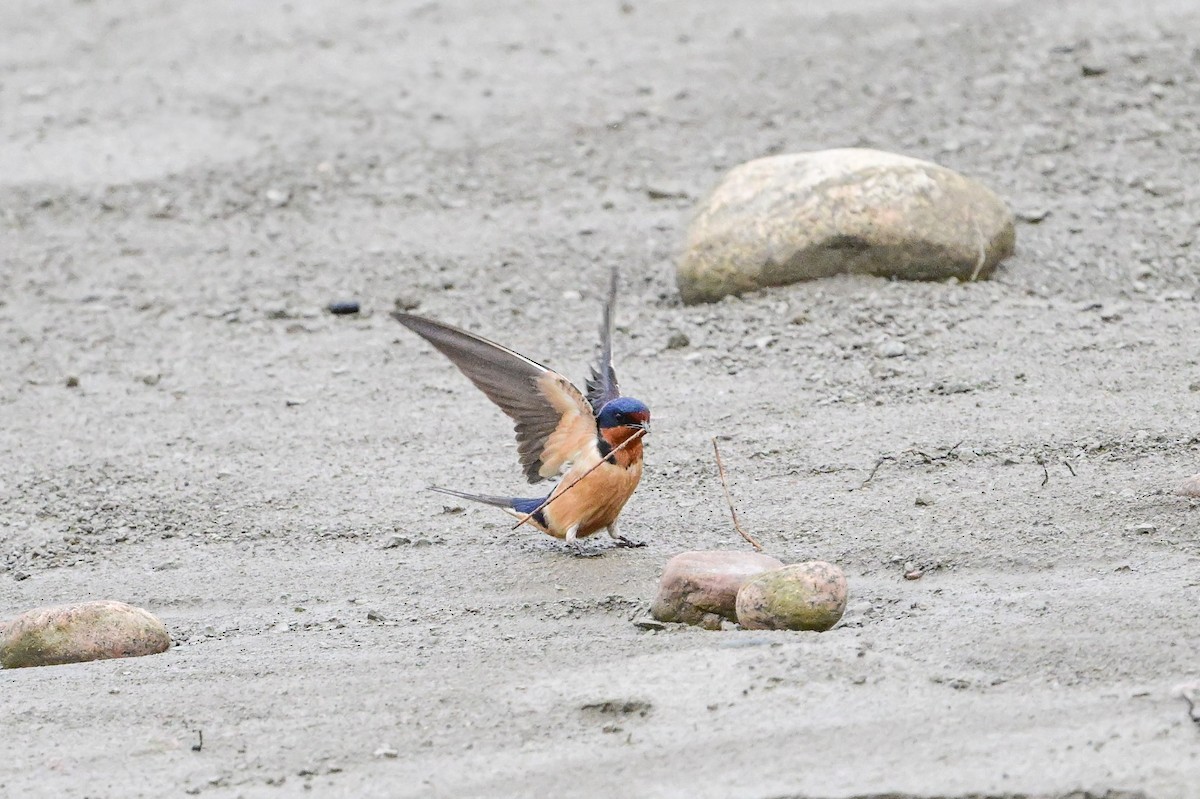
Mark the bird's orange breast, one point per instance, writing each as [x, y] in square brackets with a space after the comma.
[597, 501]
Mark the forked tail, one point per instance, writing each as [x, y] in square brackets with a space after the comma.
[518, 504]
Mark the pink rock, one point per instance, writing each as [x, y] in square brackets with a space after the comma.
[1191, 487]
[701, 587]
[80, 632]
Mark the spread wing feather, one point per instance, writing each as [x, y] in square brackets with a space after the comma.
[554, 423]
[602, 385]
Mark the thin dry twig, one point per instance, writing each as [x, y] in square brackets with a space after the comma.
[1070, 468]
[927, 458]
[729, 500]
[1187, 694]
[636, 436]
[1191, 709]
[982, 253]
[875, 468]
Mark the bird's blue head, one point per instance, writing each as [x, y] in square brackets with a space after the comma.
[624, 412]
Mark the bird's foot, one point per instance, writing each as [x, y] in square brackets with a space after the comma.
[578, 551]
[574, 545]
[621, 540]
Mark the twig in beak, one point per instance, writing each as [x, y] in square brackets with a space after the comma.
[636, 436]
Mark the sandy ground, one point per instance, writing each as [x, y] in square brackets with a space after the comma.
[184, 186]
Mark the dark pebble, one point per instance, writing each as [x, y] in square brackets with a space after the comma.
[678, 341]
[649, 624]
[407, 303]
[343, 307]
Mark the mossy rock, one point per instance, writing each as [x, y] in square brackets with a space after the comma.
[80, 632]
[803, 596]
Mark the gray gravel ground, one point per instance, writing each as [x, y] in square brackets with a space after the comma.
[185, 186]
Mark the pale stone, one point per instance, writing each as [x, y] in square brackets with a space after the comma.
[789, 218]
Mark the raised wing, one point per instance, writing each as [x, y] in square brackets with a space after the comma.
[554, 423]
[602, 385]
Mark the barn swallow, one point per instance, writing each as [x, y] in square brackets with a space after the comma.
[592, 439]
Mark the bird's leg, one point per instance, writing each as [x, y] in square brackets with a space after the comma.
[621, 540]
[572, 539]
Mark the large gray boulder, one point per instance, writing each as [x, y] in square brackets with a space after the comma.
[789, 218]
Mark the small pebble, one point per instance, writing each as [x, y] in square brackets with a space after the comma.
[1144, 529]
[892, 349]
[678, 341]
[1191, 487]
[72, 382]
[278, 197]
[666, 193]
[343, 307]
[386, 752]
